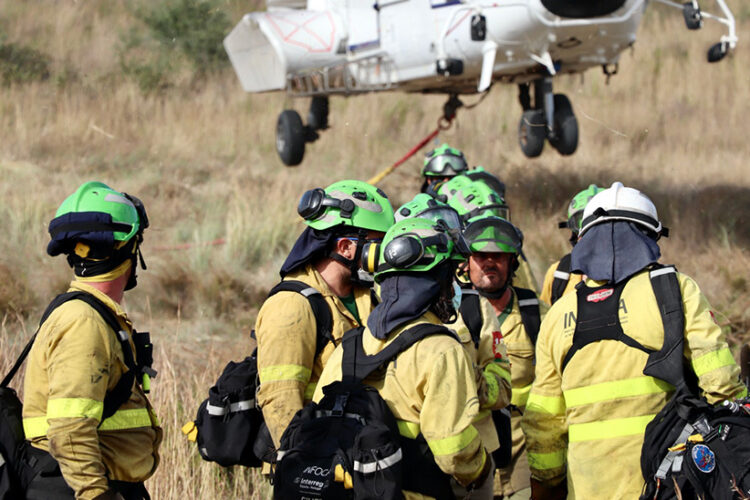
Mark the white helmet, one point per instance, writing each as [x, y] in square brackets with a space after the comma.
[622, 203]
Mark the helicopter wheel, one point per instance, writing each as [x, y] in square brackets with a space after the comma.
[565, 139]
[532, 131]
[290, 138]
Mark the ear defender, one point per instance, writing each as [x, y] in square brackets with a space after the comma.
[370, 256]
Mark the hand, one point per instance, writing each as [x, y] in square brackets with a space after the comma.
[542, 491]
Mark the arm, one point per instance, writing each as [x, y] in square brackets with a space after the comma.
[79, 372]
[544, 423]
[286, 335]
[706, 347]
[450, 405]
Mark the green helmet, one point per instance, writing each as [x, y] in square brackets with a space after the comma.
[444, 161]
[480, 174]
[576, 206]
[427, 207]
[347, 203]
[471, 198]
[493, 234]
[99, 215]
[418, 245]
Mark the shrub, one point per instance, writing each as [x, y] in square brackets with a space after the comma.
[20, 64]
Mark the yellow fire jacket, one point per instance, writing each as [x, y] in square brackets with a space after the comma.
[593, 415]
[524, 277]
[549, 277]
[75, 360]
[431, 390]
[492, 370]
[516, 476]
[286, 334]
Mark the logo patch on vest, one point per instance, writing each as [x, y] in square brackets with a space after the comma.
[497, 340]
[703, 458]
[600, 295]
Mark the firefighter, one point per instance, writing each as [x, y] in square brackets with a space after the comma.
[430, 387]
[326, 257]
[93, 432]
[440, 165]
[558, 280]
[496, 245]
[591, 401]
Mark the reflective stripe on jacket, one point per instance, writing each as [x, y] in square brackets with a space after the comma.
[430, 389]
[286, 334]
[549, 278]
[595, 413]
[75, 360]
[492, 369]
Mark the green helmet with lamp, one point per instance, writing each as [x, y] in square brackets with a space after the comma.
[576, 207]
[417, 245]
[352, 203]
[444, 161]
[98, 228]
[427, 207]
[472, 198]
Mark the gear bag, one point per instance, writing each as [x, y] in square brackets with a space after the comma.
[20, 464]
[229, 427]
[348, 446]
[471, 313]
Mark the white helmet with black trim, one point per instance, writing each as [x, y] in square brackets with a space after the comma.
[622, 203]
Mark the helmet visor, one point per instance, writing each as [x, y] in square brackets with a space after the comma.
[446, 165]
[575, 221]
[493, 235]
[449, 216]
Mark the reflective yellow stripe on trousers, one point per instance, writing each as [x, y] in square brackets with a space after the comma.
[122, 419]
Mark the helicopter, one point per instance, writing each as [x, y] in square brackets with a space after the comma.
[323, 48]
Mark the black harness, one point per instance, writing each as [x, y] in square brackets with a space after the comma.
[561, 278]
[528, 304]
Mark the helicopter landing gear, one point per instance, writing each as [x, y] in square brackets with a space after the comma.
[292, 134]
[549, 117]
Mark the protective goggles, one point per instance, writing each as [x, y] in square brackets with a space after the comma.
[494, 230]
[444, 164]
[449, 216]
[573, 223]
[140, 210]
[497, 209]
[314, 202]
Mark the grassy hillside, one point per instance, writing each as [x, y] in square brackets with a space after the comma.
[98, 93]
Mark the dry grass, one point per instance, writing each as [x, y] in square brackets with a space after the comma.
[202, 158]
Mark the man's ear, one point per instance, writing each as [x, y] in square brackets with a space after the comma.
[346, 248]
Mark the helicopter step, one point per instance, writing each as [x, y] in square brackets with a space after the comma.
[292, 134]
[549, 117]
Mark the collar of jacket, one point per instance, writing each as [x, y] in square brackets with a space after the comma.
[309, 275]
[80, 286]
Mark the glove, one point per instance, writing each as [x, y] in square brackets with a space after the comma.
[542, 491]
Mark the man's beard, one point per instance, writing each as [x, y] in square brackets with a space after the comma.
[494, 292]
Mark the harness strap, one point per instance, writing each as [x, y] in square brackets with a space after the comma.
[471, 313]
[528, 303]
[562, 277]
[320, 309]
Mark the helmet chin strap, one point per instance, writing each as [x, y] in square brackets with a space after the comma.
[354, 264]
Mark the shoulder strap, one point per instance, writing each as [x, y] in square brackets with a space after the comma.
[356, 365]
[528, 303]
[320, 309]
[471, 313]
[561, 278]
[668, 362]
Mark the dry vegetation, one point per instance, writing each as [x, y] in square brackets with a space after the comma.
[200, 153]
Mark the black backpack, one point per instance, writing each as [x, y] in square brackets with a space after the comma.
[19, 464]
[471, 312]
[691, 449]
[230, 426]
[348, 446]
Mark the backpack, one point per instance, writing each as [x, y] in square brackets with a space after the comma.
[471, 313]
[229, 428]
[691, 448]
[348, 445]
[19, 463]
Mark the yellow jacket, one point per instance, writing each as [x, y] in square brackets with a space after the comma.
[524, 277]
[593, 415]
[430, 389]
[549, 277]
[492, 370]
[516, 476]
[286, 334]
[75, 360]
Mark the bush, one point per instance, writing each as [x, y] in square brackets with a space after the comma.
[194, 27]
[19, 64]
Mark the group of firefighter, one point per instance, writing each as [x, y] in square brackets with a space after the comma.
[506, 411]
